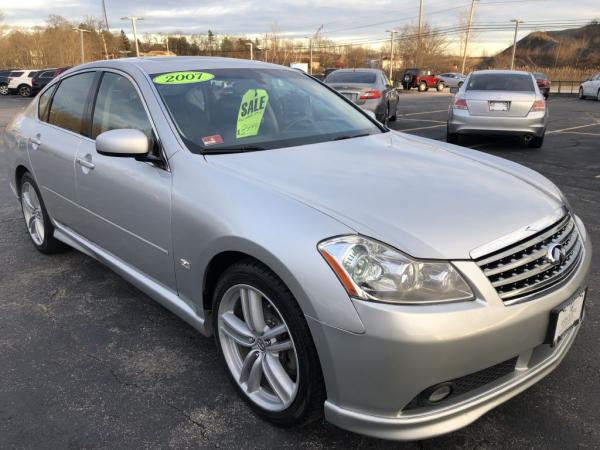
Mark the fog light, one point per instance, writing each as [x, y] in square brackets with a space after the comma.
[439, 392]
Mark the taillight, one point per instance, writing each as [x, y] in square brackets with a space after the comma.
[460, 103]
[539, 105]
[370, 95]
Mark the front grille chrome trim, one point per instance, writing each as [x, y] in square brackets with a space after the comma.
[522, 269]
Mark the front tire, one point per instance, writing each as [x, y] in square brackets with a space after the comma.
[440, 87]
[266, 346]
[581, 96]
[422, 86]
[3, 89]
[37, 220]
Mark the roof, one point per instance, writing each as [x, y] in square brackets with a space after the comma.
[498, 71]
[361, 69]
[182, 63]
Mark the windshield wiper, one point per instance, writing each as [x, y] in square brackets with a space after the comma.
[247, 148]
[350, 136]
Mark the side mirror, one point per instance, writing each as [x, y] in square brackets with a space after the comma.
[123, 142]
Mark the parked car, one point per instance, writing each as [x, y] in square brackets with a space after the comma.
[328, 70]
[405, 285]
[43, 77]
[368, 88]
[590, 88]
[19, 81]
[4, 82]
[452, 79]
[499, 102]
[421, 79]
[543, 83]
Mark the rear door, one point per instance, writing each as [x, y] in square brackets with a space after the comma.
[126, 203]
[53, 142]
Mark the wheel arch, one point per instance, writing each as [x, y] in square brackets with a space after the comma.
[19, 172]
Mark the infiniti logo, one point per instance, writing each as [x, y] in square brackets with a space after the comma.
[555, 254]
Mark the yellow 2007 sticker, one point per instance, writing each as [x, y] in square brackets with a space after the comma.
[182, 77]
[252, 109]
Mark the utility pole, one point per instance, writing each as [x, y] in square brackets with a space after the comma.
[471, 14]
[392, 32]
[310, 46]
[251, 51]
[134, 19]
[512, 60]
[105, 15]
[81, 31]
[417, 56]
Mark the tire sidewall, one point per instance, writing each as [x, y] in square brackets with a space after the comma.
[258, 276]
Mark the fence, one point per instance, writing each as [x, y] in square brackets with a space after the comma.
[565, 87]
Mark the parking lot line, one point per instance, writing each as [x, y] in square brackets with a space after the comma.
[581, 132]
[573, 128]
[425, 112]
[425, 128]
[421, 120]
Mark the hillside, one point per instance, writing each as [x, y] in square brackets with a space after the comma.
[577, 47]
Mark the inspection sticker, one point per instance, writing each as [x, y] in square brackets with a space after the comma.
[182, 77]
[212, 140]
[252, 109]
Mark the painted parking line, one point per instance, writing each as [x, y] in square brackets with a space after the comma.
[573, 128]
[425, 112]
[581, 133]
[424, 128]
[421, 120]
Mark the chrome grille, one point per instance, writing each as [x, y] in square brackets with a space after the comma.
[523, 268]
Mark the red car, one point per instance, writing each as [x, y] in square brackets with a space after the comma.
[421, 79]
[543, 83]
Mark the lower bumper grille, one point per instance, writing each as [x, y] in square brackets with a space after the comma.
[535, 263]
[465, 384]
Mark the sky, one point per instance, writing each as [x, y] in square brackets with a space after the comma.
[342, 20]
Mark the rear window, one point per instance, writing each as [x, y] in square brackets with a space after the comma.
[351, 77]
[514, 82]
[16, 74]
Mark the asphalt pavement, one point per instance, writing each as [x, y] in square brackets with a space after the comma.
[88, 361]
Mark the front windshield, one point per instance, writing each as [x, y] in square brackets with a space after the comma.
[224, 110]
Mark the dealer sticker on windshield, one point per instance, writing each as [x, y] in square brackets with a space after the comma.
[183, 77]
[252, 109]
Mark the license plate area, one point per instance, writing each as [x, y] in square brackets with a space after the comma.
[499, 106]
[564, 317]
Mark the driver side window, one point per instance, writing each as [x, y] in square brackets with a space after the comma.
[118, 105]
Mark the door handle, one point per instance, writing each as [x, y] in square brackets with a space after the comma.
[35, 142]
[85, 163]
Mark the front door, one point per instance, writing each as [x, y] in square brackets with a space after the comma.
[126, 203]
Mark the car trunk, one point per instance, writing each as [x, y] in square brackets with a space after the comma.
[499, 103]
[352, 91]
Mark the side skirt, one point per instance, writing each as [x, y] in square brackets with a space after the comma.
[163, 295]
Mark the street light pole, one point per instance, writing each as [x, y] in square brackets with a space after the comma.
[392, 32]
[417, 63]
[464, 58]
[512, 60]
[134, 20]
[81, 31]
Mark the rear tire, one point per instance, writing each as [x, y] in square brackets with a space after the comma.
[24, 91]
[451, 138]
[422, 86]
[440, 87]
[3, 89]
[37, 220]
[536, 142]
[268, 305]
[460, 84]
[394, 116]
[581, 96]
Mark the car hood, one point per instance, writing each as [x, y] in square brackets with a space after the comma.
[426, 198]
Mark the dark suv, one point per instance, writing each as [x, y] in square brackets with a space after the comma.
[421, 79]
[4, 82]
[43, 77]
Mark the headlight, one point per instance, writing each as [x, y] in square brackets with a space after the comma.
[370, 270]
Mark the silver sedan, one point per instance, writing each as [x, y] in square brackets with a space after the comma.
[452, 79]
[499, 102]
[402, 285]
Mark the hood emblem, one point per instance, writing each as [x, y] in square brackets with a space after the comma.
[555, 254]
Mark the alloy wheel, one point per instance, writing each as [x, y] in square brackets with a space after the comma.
[32, 211]
[24, 91]
[3, 89]
[258, 347]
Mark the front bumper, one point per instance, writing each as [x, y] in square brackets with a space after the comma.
[461, 122]
[372, 377]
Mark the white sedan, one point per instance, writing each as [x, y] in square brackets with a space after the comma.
[590, 88]
[452, 79]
